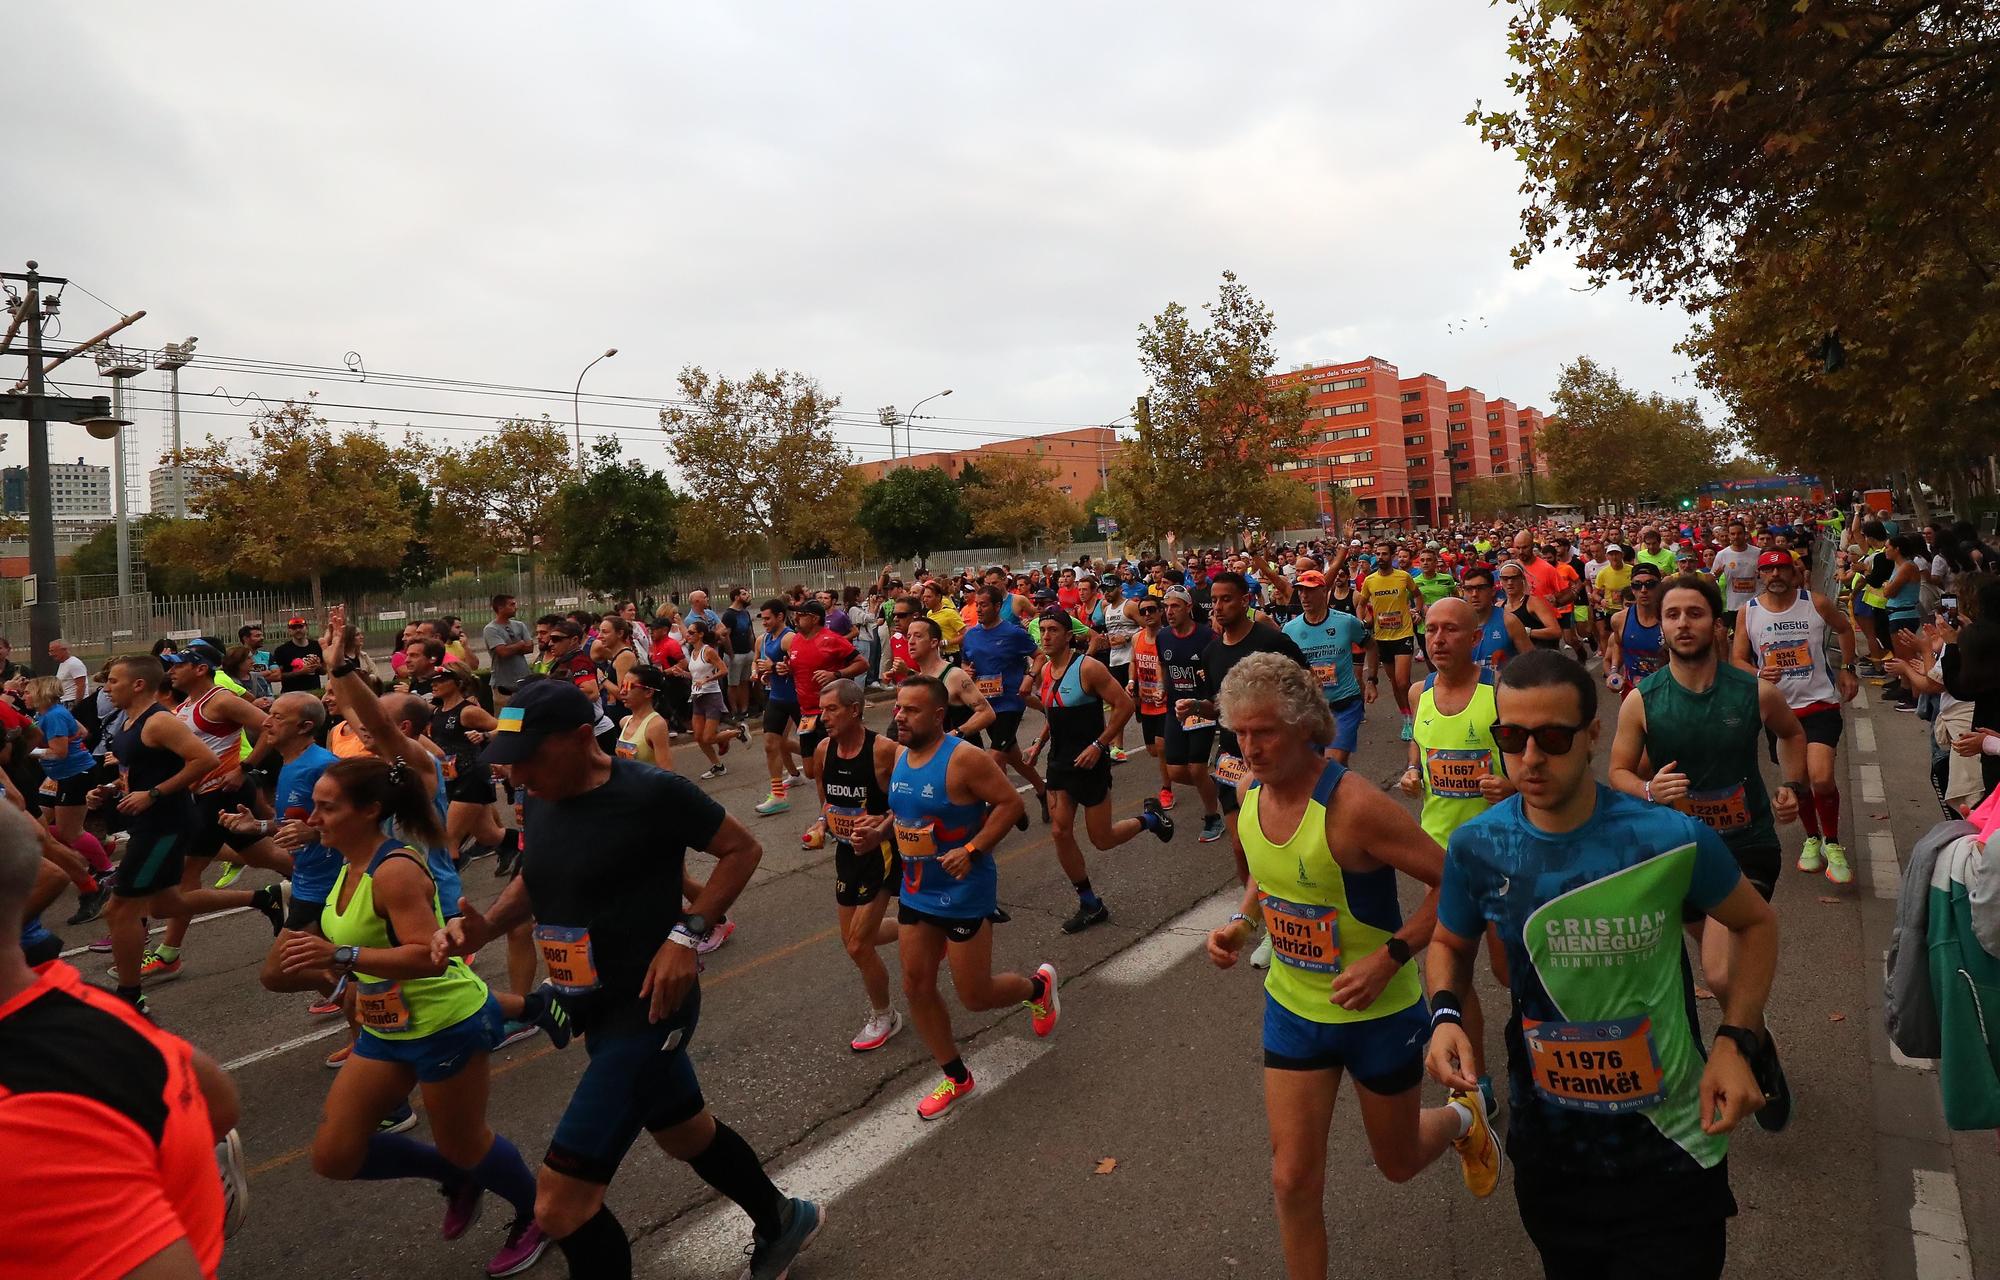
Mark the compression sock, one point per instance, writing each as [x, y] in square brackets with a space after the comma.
[956, 1067]
[396, 1155]
[93, 852]
[1149, 820]
[778, 787]
[506, 1175]
[598, 1248]
[1809, 813]
[1463, 1114]
[731, 1167]
[1828, 804]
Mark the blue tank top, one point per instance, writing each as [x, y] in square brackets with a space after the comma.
[437, 860]
[1903, 604]
[927, 825]
[1640, 651]
[780, 688]
[1495, 644]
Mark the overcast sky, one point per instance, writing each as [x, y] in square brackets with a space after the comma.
[894, 199]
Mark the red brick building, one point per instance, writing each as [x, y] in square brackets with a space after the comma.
[1080, 457]
[1401, 444]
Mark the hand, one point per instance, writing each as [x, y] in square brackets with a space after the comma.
[1908, 644]
[241, 823]
[1361, 983]
[1225, 943]
[668, 978]
[957, 864]
[1729, 1087]
[1369, 692]
[1771, 675]
[1412, 782]
[301, 952]
[1785, 805]
[136, 802]
[1669, 786]
[1848, 684]
[1184, 707]
[1089, 756]
[1969, 744]
[98, 797]
[1449, 1057]
[1034, 750]
[871, 829]
[293, 835]
[1493, 788]
[462, 936]
[474, 736]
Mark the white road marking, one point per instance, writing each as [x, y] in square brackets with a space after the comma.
[1937, 1227]
[1885, 874]
[1172, 943]
[1861, 699]
[1864, 736]
[713, 1244]
[160, 928]
[338, 1028]
[1871, 783]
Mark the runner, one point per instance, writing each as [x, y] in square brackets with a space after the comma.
[1584, 883]
[1735, 570]
[816, 656]
[706, 666]
[1343, 995]
[741, 624]
[291, 730]
[1783, 637]
[1610, 587]
[949, 805]
[1537, 616]
[998, 653]
[1500, 633]
[1456, 770]
[1190, 738]
[458, 729]
[969, 712]
[1072, 690]
[644, 736]
[606, 844]
[426, 1022]
[1434, 583]
[855, 765]
[781, 707]
[1395, 607]
[1328, 640]
[1633, 648]
[1690, 741]
[1120, 626]
[1149, 688]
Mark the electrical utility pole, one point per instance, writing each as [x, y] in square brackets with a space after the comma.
[173, 360]
[120, 364]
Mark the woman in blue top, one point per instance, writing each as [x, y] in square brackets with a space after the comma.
[65, 759]
[1906, 553]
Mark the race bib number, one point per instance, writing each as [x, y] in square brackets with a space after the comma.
[1726, 809]
[48, 789]
[1327, 673]
[214, 781]
[1303, 935]
[1785, 658]
[1230, 770]
[1606, 1068]
[809, 723]
[627, 750]
[1151, 693]
[1195, 722]
[1743, 586]
[451, 768]
[1391, 620]
[572, 962]
[919, 841]
[989, 686]
[381, 1006]
[840, 822]
[1455, 773]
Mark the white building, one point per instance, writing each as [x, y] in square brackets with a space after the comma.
[81, 491]
[160, 487]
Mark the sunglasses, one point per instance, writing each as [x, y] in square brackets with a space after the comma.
[1645, 583]
[1553, 739]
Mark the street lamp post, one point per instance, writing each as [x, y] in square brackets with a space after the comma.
[576, 402]
[173, 360]
[909, 442]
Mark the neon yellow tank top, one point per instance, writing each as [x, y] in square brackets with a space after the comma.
[398, 1008]
[1321, 918]
[1454, 753]
[632, 741]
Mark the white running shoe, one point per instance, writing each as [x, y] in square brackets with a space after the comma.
[1261, 957]
[235, 1183]
[877, 1031]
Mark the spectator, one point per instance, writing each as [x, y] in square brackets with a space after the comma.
[71, 674]
[299, 659]
[10, 669]
[508, 644]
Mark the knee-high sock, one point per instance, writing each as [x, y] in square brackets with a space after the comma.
[506, 1175]
[395, 1155]
[731, 1167]
[1828, 804]
[1809, 812]
[598, 1249]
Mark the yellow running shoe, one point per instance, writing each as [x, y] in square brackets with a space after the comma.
[230, 870]
[1478, 1151]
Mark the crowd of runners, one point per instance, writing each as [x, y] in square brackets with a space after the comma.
[367, 791]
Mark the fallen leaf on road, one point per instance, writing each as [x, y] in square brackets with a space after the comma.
[1879, 817]
[1836, 1017]
[1832, 901]
[1106, 1165]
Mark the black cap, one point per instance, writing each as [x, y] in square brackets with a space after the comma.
[539, 708]
[200, 651]
[810, 605]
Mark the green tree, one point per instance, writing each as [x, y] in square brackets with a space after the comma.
[760, 460]
[1605, 442]
[1214, 428]
[616, 524]
[913, 512]
[498, 496]
[1013, 497]
[1489, 497]
[295, 504]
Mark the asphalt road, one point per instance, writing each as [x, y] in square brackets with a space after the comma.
[1155, 1067]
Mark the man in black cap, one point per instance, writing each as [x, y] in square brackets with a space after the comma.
[299, 659]
[605, 841]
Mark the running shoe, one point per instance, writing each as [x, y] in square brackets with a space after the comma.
[877, 1031]
[1837, 869]
[524, 1248]
[772, 803]
[742, 732]
[1212, 828]
[1086, 916]
[1119, 755]
[795, 778]
[515, 1032]
[1776, 1112]
[772, 1259]
[718, 933]
[544, 1008]
[91, 905]
[1260, 958]
[401, 1120]
[461, 1208]
[1163, 826]
[1166, 797]
[157, 968]
[1021, 823]
[103, 945]
[338, 1058]
[1487, 1098]
[713, 771]
[1811, 857]
[230, 870]
[1478, 1152]
[235, 1183]
[937, 1100]
[323, 1007]
[271, 901]
[999, 916]
[1044, 1012]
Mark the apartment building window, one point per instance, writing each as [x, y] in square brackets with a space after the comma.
[1411, 419]
[1458, 426]
[1342, 410]
[1345, 459]
[1346, 384]
[1461, 466]
[1456, 408]
[1493, 417]
[1349, 433]
[1408, 396]
[1420, 483]
[1413, 440]
[1418, 462]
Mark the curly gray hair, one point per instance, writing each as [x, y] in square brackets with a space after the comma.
[1274, 680]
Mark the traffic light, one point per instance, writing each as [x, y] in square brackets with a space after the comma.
[1687, 504]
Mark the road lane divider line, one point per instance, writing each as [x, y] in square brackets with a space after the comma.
[1170, 944]
[1864, 736]
[713, 1243]
[1871, 784]
[1937, 1227]
[159, 929]
[1885, 874]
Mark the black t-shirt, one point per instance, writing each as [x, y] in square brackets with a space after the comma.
[740, 623]
[1181, 662]
[291, 681]
[1221, 657]
[609, 862]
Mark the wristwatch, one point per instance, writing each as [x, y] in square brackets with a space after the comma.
[346, 667]
[694, 924]
[344, 958]
[1743, 1038]
[1398, 950]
